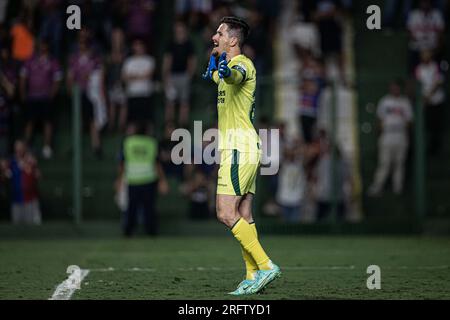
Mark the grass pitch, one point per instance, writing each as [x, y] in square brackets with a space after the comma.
[209, 267]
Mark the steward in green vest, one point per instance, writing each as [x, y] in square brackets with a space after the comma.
[144, 176]
[140, 154]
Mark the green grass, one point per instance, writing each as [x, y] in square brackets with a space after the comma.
[411, 267]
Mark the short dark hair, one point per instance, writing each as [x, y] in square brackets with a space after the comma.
[239, 26]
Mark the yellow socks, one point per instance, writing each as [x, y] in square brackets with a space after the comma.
[244, 233]
[250, 264]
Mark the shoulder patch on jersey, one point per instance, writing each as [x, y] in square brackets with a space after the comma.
[240, 64]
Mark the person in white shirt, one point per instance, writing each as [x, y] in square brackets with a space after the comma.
[430, 77]
[326, 187]
[395, 115]
[305, 37]
[426, 28]
[137, 74]
[292, 184]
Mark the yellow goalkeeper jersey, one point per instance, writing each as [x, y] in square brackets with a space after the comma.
[236, 109]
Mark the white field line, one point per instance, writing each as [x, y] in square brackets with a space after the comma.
[111, 269]
[421, 267]
[65, 289]
[288, 268]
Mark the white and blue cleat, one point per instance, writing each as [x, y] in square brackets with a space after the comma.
[242, 288]
[263, 278]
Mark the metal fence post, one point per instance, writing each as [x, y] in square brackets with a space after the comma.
[76, 156]
[333, 156]
[419, 156]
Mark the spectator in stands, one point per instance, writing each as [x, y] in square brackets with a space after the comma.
[331, 186]
[165, 151]
[137, 74]
[8, 84]
[313, 68]
[29, 9]
[335, 108]
[309, 103]
[118, 39]
[5, 197]
[183, 7]
[118, 10]
[196, 188]
[178, 70]
[395, 115]
[390, 10]
[140, 20]
[273, 145]
[82, 63]
[199, 180]
[144, 176]
[3, 10]
[327, 17]
[98, 96]
[97, 18]
[292, 184]
[429, 75]
[116, 93]
[426, 28]
[306, 9]
[391, 7]
[22, 39]
[40, 79]
[52, 25]
[255, 47]
[310, 157]
[24, 173]
[304, 33]
[193, 11]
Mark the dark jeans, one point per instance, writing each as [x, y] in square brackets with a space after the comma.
[141, 198]
[324, 210]
[308, 128]
[39, 110]
[434, 115]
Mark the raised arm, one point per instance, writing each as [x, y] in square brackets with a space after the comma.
[235, 75]
[211, 71]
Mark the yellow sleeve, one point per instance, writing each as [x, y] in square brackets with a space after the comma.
[236, 77]
[239, 71]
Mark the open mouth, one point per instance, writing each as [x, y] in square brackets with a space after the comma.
[216, 44]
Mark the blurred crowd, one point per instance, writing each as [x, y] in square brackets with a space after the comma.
[316, 176]
[427, 60]
[115, 62]
[305, 190]
[119, 63]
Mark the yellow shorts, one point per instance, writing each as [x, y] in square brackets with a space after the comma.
[237, 172]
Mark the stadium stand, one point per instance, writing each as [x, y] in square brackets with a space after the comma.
[364, 78]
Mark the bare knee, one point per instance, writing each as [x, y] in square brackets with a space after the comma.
[226, 216]
[227, 212]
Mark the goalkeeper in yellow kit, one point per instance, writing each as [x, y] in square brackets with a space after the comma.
[240, 149]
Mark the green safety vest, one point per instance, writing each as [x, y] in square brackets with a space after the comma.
[140, 159]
